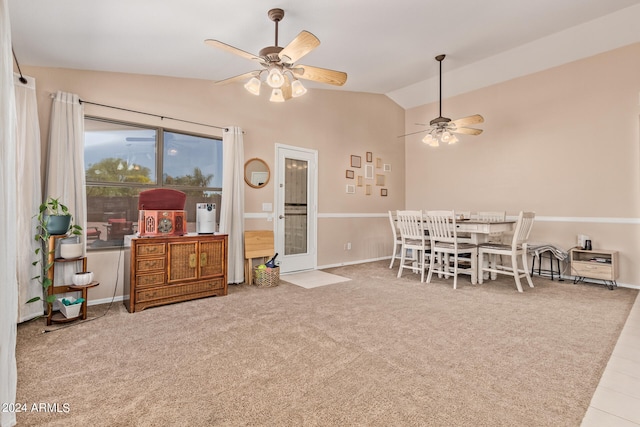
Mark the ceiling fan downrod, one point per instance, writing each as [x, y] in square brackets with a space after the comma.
[271, 53]
[440, 120]
[276, 16]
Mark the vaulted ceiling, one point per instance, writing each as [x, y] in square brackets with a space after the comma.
[385, 47]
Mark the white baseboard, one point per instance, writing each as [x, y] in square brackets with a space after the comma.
[362, 261]
[105, 300]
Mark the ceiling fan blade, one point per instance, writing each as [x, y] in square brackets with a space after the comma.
[322, 75]
[286, 90]
[471, 120]
[244, 76]
[228, 48]
[304, 43]
[414, 133]
[467, 131]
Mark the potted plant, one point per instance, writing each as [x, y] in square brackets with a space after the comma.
[53, 218]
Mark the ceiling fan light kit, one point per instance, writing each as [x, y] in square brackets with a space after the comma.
[443, 129]
[276, 95]
[253, 86]
[297, 89]
[279, 69]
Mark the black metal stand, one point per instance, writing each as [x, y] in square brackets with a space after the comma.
[549, 272]
[611, 284]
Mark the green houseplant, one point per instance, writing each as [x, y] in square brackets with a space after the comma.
[53, 218]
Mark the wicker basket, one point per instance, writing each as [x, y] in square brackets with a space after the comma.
[266, 277]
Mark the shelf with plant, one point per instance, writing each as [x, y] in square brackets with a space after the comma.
[53, 219]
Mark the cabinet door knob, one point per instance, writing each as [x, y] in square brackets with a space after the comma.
[203, 259]
[192, 260]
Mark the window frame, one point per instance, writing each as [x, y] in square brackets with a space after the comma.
[159, 164]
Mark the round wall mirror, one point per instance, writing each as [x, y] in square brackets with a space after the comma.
[256, 173]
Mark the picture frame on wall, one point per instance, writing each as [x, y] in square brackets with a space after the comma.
[383, 192]
[368, 171]
[351, 189]
[369, 157]
[350, 174]
[360, 180]
[378, 162]
[356, 161]
[380, 180]
[387, 167]
[367, 190]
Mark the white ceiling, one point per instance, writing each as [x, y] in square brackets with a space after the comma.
[385, 47]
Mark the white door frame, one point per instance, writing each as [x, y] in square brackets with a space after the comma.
[310, 260]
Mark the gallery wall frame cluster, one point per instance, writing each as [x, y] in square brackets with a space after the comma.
[367, 174]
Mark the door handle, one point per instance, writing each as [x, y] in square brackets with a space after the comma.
[281, 217]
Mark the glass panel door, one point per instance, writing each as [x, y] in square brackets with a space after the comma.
[296, 208]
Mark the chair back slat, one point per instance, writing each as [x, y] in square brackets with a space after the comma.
[490, 216]
[523, 228]
[411, 225]
[395, 228]
[442, 226]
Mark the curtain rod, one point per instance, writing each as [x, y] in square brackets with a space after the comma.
[151, 114]
[22, 79]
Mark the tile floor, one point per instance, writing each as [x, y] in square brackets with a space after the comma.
[616, 402]
[313, 278]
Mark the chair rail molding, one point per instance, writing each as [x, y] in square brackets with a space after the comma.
[600, 220]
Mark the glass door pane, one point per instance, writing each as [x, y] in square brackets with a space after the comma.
[296, 207]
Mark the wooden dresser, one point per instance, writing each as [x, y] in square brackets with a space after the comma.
[164, 270]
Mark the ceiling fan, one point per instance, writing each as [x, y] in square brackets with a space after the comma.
[442, 129]
[279, 66]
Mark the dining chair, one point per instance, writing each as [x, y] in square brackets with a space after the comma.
[491, 216]
[397, 241]
[413, 236]
[444, 243]
[515, 250]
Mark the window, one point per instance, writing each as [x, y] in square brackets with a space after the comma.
[122, 159]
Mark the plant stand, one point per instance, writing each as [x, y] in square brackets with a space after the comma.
[57, 317]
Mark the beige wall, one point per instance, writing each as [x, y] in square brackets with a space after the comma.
[335, 123]
[563, 143]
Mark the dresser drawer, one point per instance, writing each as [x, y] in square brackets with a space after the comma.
[149, 264]
[148, 280]
[147, 249]
[593, 270]
[182, 292]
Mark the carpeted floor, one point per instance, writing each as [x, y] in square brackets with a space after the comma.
[371, 351]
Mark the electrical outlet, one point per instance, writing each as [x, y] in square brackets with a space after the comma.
[348, 246]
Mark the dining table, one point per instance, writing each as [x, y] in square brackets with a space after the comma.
[481, 230]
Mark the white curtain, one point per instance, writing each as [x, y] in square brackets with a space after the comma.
[28, 197]
[232, 209]
[64, 176]
[8, 277]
